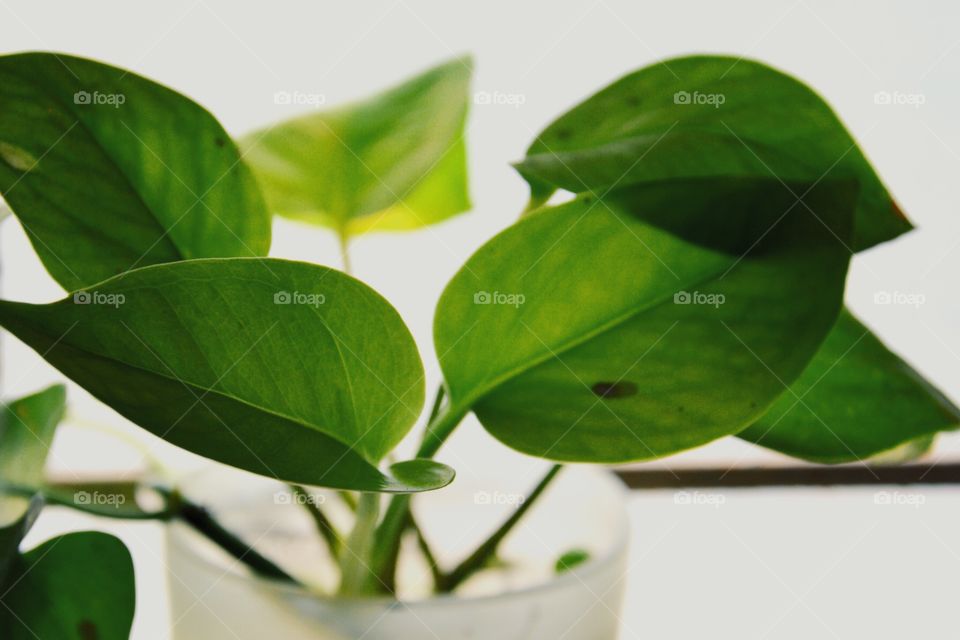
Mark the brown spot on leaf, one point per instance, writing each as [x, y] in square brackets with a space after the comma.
[613, 390]
[87, 630]
[220, 141]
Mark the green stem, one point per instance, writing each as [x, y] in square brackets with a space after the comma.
[479, 558]
[327, 531]
[344, 241]
[427, 552]
[201, 520]
[357, 577]
[397, 518]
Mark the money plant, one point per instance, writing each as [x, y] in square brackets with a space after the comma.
[676, 277]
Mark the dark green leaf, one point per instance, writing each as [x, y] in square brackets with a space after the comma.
[78, 586]
[855, 399]
[282, 368]
[707, 116]
[108, 171]
[394, 161]
[585, 333]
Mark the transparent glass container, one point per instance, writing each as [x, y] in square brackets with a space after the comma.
[212, 596]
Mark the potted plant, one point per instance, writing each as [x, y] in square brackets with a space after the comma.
[688, 287]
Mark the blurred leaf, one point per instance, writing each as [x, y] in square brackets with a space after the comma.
[707, 116]
[855, 400]
[108, 171]
[570, 560]
[281, 368]
[584, 333]
[77, 586]
[27, 427]
[394, 161]
[17, 515]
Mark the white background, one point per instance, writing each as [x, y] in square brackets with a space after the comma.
[777, 564]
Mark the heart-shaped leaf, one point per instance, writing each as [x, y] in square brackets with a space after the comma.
[394, 161]
[707, 116]
[585, 333]
[285, 369]
[79, 585]
[108, 171]
[855, 399]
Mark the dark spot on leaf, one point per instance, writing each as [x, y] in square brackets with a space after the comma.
[562, 134]
[87, 630]
[680, 409]
[633, 101]
[220, 142]
[612, 390]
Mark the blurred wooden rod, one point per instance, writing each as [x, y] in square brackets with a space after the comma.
[794, 476]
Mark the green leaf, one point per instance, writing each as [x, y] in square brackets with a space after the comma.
[281, 368]
[570, 560]
[78, 586]
[707, 116]
[27, 427]
[856, 399]
[17, 515]
[394, 161]
[584, 333]
[108, 171]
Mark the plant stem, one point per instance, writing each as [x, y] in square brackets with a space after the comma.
[427, 552]
[329, 533]
[397, 518]
[357, 577]
[201, 520]
[479, 558]
[344, 241]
